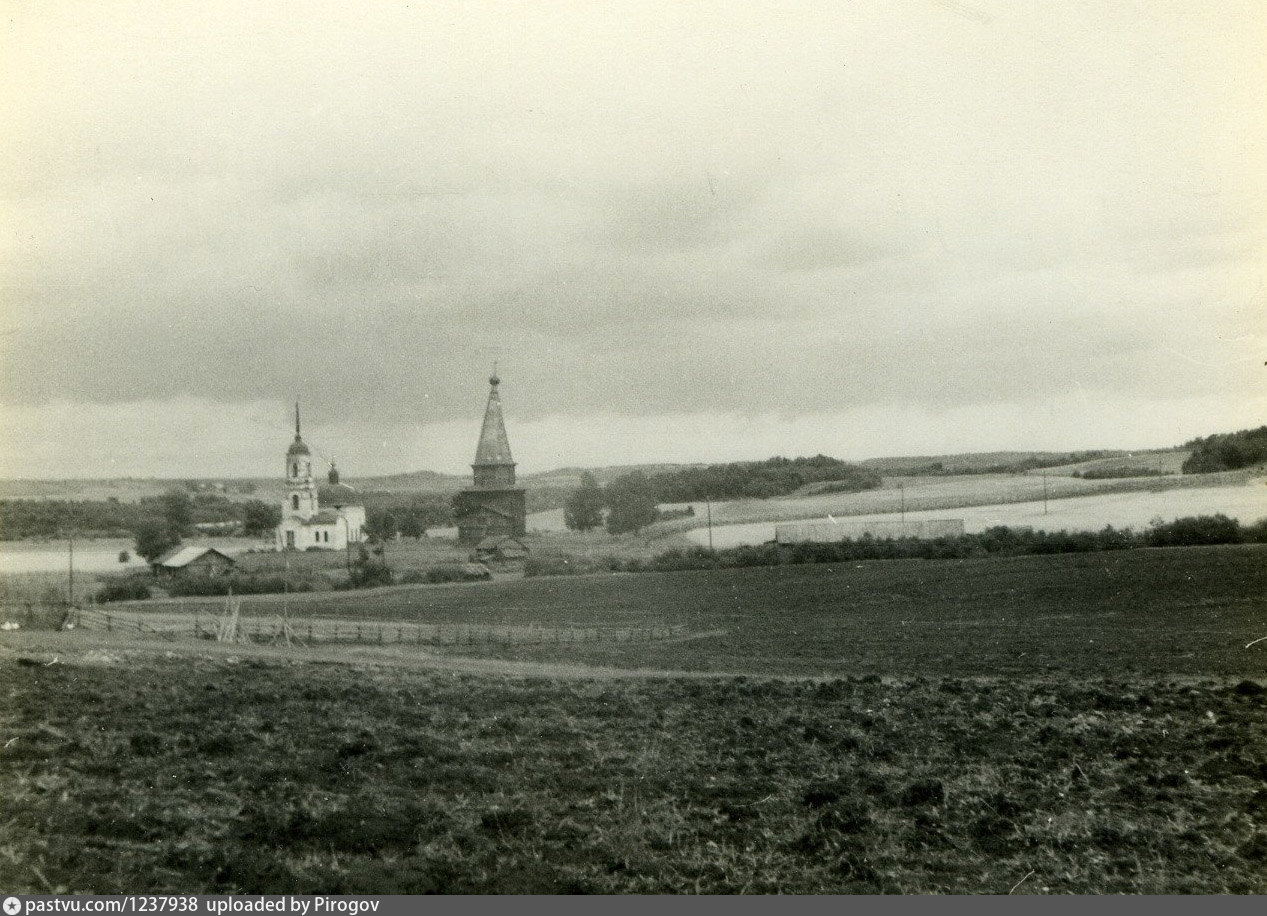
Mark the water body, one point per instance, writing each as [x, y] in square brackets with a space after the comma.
[1243, 502]
[91, 556]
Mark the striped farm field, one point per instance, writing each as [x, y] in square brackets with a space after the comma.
[1134, 507]
[947, 494]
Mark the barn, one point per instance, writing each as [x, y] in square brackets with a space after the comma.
[193, 561]
[500, 550]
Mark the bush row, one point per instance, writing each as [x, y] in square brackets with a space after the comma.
[135, 588]
[1111, 473]
[130, 589]
[450, 572]
[195, 586]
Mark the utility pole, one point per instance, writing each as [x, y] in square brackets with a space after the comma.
[709, 503]
[902, 487]
[70, 571]
[1044, 492]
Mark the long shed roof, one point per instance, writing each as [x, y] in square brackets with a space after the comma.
[182, 556]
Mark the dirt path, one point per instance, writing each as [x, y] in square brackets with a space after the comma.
[84, 648]
[50, 648]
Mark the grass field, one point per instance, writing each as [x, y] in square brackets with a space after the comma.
[1167, 611]
[404, 555]
[1087, 723]
[1166, 461]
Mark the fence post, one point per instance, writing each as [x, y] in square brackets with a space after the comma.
[109, 624]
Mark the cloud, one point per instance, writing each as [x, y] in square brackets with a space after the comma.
[779, 212]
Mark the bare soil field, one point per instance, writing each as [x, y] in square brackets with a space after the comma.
[234, 774]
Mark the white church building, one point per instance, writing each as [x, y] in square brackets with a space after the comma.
[329, 517]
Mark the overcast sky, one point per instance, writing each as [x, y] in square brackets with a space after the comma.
[687, 231]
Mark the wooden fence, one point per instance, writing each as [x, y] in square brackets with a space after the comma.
[321, 630]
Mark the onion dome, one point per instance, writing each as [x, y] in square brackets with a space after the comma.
[298, 447]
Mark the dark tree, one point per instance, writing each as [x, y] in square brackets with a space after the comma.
[178, 512]
[154, 538]
[584, 508]
[631, 503]
[413, 523]
[259, 517]
[369, 571]
[420, 513]
[380, 525]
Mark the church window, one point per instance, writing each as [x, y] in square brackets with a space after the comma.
[294, 469]
[294, 502]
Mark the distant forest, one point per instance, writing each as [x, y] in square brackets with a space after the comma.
[47, 518]
[1227, 451]
[952, 465]
[760, 479]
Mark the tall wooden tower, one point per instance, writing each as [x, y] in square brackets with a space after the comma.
[493, 506]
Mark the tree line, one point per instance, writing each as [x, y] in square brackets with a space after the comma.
[630, 502]
[175, 510]
[760, 479]
[1227, 451]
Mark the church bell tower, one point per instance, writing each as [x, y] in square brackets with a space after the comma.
[301, 489]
